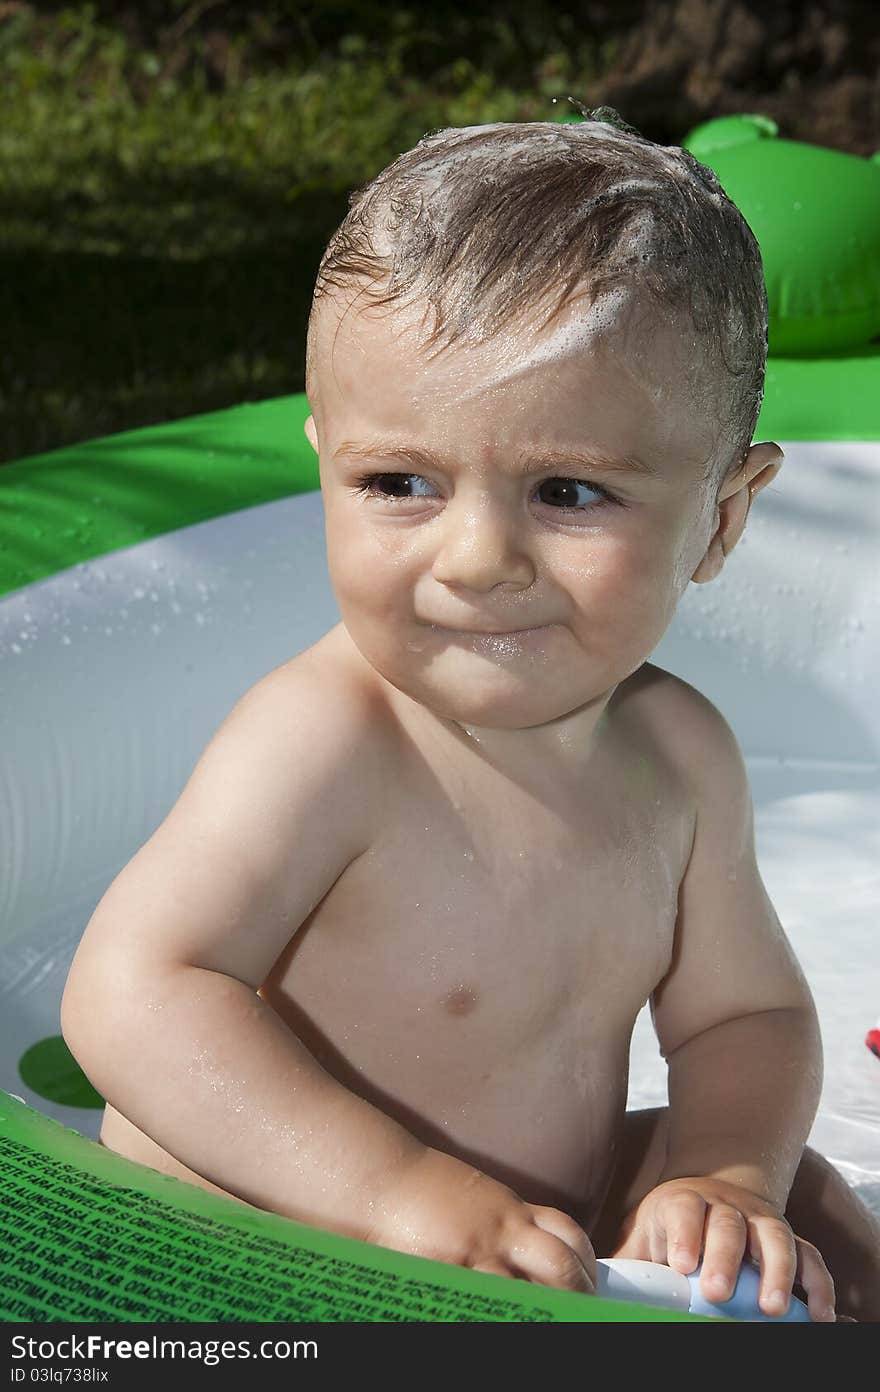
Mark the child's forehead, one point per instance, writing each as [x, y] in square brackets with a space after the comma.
[608, 370]
[620, 324]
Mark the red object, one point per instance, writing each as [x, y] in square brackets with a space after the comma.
[872, 1039]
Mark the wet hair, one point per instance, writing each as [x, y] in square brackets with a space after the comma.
[478, 223]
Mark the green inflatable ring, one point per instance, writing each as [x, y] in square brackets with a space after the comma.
[816, 215]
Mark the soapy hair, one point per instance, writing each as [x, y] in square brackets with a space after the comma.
[478, 223]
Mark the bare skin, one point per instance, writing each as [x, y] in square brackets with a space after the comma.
[542, 871]
[379, 968]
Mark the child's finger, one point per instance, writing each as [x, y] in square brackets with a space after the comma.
[772, 1244]
[679, 1240]
[491, 1267]
[537, 1255]
[814, 1276]
[552, 1220]
[635, 1245]
[723, 1249]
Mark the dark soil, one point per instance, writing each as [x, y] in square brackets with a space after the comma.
[812, 65]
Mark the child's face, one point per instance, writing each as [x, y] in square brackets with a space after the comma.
[577, 587]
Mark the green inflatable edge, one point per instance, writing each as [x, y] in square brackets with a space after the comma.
[86, 1236]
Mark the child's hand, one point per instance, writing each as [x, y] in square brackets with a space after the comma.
[681, 1218]
[442, 1208]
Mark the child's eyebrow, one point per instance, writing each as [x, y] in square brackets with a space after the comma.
[529, 462]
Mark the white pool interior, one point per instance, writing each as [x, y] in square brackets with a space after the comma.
[115, 673]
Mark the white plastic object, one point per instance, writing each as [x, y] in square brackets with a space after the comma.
[650, 1283]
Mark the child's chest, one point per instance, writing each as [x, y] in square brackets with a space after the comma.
[483, 920]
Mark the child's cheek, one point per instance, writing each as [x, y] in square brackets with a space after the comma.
[371, 572]
[619, 564]
[628, 585]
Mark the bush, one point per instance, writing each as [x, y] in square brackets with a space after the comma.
[163, 221]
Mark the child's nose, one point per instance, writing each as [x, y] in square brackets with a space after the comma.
[481, 546]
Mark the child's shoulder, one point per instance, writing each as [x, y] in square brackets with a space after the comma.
[670, 696]
[332, 669]
[323, 694]
[682, 722]
[278, 805]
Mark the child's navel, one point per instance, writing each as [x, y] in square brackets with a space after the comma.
[460, 1001]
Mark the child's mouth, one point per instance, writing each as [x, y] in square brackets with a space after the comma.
[490, 632]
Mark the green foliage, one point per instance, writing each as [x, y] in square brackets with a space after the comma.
[165, 203]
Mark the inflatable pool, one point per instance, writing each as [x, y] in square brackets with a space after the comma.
[148, 579]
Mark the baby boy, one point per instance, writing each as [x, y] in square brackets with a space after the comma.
[379, 967]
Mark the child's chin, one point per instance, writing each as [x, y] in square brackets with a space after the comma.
[502, 703]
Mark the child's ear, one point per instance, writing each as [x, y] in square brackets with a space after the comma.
[760, 467]
[311, 433]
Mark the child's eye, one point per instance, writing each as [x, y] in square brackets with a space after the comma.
[370, 484]
[563, 491]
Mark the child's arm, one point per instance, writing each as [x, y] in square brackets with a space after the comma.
[738, 1028]
[161, 1009]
